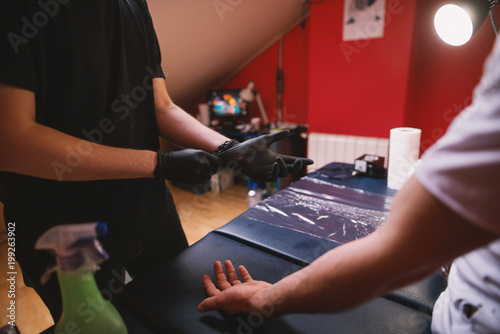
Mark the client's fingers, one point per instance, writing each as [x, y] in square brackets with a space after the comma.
[208, 304]
[231, 273]
[220, 276]
[245, 275]
[209, 286]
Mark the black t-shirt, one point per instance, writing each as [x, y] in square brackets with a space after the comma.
[90, 64]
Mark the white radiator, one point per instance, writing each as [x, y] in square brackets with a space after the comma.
[325, 148]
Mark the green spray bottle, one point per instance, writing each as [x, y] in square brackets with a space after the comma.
[78, 253]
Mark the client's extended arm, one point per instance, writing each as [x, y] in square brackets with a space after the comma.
[420, 235]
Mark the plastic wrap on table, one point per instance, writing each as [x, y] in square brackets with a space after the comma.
[322, 209]
[351, 196]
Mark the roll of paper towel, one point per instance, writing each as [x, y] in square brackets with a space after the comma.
[404, 150]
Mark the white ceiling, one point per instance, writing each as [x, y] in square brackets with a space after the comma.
[205, 42]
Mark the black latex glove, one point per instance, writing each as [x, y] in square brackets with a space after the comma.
[256, 160]
[186, 166]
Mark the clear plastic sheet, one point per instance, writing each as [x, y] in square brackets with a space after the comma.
[323, 209]
[357, 197]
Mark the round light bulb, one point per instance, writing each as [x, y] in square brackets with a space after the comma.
[453, 24]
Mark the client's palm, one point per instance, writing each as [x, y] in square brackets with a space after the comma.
[232, 296]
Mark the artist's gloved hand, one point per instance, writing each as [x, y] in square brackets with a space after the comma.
[187, 166]
[256, 160]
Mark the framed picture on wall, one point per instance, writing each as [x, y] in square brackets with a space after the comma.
[363, 19]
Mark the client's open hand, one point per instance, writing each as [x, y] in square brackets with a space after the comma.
[232, 295]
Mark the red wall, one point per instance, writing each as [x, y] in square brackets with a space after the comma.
[263, 72]
[406, 78]
[358, 87]
[442, 77]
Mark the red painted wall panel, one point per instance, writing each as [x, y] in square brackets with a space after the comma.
[442, 77]
[406, 78]
[358, 87]
[263, 72]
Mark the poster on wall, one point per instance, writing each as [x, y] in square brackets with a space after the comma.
[363, 19]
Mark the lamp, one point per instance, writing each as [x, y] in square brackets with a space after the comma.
[249, 94]
[456, 23]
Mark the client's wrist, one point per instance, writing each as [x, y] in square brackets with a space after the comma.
[267, 304]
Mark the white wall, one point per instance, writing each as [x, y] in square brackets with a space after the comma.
[206, 42]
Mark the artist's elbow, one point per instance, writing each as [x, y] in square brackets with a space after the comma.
[5, 165]
[3, 155]
[9, 153]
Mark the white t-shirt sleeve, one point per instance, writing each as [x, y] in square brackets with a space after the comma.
[463, 168]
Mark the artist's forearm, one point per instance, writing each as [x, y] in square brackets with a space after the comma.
[43, 152]
[182, 129]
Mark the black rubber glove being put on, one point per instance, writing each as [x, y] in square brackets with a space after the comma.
[186, 166]
[256, 160]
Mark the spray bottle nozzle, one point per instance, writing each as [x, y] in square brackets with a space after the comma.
[75, 245]
[101, 229]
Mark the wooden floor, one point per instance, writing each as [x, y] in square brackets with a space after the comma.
[199, 215]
